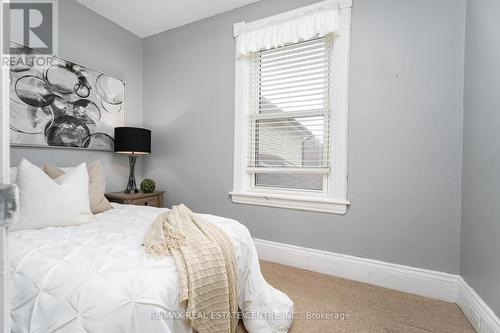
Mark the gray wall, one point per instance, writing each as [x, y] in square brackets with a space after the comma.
[91, 40]
[405, 146]
[481, 167]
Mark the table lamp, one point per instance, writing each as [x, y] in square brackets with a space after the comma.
[132, 141]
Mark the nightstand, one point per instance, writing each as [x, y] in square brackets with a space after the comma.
[154, 199]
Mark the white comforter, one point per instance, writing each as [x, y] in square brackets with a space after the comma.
[96, 278]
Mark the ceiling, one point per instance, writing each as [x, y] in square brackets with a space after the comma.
[148, 17]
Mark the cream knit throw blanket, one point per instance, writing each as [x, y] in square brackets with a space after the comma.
[205, 260]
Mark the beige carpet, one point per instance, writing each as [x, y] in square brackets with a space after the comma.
[370, 308]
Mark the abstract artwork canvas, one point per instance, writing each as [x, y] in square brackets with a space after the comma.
[58, 103]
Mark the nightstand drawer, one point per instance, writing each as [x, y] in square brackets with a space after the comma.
[151, 201]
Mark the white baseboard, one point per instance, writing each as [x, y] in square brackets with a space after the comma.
[423, 282]
[412, 280]
[476, 310]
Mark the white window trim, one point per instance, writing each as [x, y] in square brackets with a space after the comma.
[334, 200]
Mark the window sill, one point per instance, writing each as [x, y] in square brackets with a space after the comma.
[291, 202]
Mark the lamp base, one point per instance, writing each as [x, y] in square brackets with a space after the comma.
[131, 185]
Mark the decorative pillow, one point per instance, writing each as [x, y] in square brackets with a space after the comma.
[45, 202]
[97, 184]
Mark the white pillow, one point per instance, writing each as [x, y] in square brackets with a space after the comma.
[52, 203]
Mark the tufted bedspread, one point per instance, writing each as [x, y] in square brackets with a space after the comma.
[97, 278]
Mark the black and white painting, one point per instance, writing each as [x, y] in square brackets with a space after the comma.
[57, 103]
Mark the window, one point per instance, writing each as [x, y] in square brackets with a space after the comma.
[291, 110]
[289, 116]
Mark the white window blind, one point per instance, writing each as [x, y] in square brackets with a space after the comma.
[289, 115]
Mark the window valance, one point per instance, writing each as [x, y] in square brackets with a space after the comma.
[304, 23]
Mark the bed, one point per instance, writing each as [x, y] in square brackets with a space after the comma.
[96, 278]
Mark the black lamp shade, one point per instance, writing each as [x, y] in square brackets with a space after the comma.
[132, 141]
